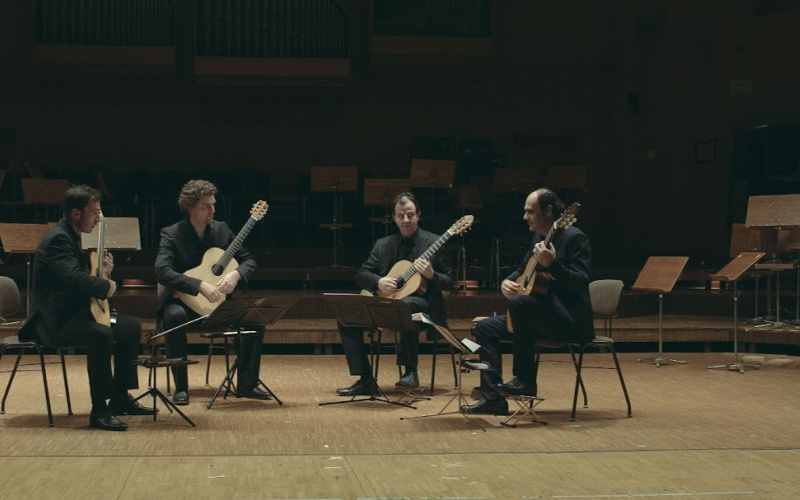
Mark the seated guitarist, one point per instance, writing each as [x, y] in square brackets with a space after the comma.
[563, 314]
[408, 245]
[60, 314]
[182, 248]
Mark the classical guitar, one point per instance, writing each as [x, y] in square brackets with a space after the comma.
[101, 311]
[408, 279]
[533, 282]
[217, 263]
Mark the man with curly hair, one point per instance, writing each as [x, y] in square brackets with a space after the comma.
[182, 248]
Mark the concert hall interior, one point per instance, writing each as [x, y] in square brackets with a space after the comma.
[671, 125]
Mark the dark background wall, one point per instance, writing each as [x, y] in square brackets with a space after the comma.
[637, 84]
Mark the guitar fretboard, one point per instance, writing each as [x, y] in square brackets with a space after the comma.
[235, 245]
[440, 241]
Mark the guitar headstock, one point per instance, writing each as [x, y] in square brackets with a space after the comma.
[259, 209]
[569, 217]
[462, 224]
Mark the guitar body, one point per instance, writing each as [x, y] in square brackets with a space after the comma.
[415, 284]
[101, 310]
[538, 284]
[205, 272]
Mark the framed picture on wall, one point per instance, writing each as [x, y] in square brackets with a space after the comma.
[705, 151]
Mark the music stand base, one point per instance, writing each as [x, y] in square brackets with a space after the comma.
[157, 394]
[378, 396]
[229, 386]
[660, 360]
[461, 402]
[734, 367]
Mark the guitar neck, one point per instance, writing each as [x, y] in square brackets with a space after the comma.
[427, 254]
[101, 230]
[236, 244]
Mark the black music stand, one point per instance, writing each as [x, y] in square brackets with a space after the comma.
[432, 174]
[335, 180]
[381, 193]
[660, 274]
[467, 362]
[23, 238]
[372, 314]
[464, 198]
[153, 362]
[732, 272]
[239, 314]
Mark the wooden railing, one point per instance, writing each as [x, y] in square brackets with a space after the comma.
[448, 18]
[272, 29]
[104, 22]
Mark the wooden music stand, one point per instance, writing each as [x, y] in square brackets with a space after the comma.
[121, 233]
[334, 180]
[44, 192]
[465, 198]
[732, 272]
[515, 180]
[432, 174]
[566, 177]
[660, 274]
[381, 193]
[776, 212]
[23, 239]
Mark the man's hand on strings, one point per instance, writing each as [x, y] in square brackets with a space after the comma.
[424, 267]
[545, 255]
[209, 291]
[387, 284]
[509, 288]
[228, 283]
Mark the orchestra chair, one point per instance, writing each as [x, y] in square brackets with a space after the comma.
[605, 296]
[10, 304]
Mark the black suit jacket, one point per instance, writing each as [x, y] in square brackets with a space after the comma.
[62, 285]
[181, 249]
[384, 256]
[569, 289]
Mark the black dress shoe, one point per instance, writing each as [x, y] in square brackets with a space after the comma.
[180, 398]
[131, 407]
[410, 380]
[360, 388]
[107, 422]
[518, 387]
[487, 407]
[254, 393]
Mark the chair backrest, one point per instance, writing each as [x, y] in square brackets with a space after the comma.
[605, 295]
[9, 297]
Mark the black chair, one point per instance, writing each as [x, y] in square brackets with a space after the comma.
[10, 304]
[605, 296]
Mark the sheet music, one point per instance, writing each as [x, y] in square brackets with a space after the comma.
[467, 344]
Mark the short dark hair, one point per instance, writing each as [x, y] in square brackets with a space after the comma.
[409, 196]
[547, 197]
[79, 196]
[192, 191]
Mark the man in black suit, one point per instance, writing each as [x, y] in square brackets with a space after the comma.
[408, 244]
[563, 314]
[182, 247]
[60, 314]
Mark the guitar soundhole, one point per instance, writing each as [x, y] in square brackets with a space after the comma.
[217, 269]
[400, 283]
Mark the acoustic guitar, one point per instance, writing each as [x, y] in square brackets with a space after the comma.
[408, 279]
[217, 263]
[533, 282]
[101, 310]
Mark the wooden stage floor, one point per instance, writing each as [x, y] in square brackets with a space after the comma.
[695, 433]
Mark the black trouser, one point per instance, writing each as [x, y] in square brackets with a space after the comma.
[356, 351]
[174, 314]
[533, 318]
[121, 339]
